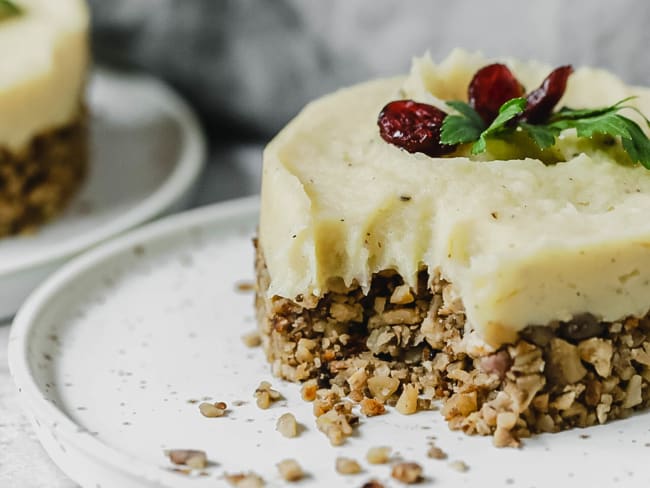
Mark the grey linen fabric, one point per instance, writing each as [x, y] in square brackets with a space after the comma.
[249, 65]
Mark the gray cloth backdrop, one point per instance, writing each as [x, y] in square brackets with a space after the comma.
[249, 65]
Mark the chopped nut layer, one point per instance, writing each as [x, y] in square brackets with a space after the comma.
[382, 348]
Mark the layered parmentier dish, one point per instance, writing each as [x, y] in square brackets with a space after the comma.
[514, 290]
[43, 137]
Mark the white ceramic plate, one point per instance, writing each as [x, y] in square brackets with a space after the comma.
[108, 352]
[147, 152]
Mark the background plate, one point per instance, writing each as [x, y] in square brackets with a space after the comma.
[147, 152]
[110, 351]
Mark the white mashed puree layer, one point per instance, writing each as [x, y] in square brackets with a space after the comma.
[523, 242]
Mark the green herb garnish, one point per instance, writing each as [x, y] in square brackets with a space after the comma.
[468, 127]
[8, 9]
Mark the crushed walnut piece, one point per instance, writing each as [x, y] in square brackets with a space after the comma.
[290, 470]
[382, 387]
[371, 407]
[435, 452]
[347, 466]
[408, 400]
[252, 339]
[244, 480]
[287, 425]
[337, 423]
[402, 295]
[378, 455]
[408, 473]
[459, 466]
[372, 484]
[245, 286]
[212, 410]
[265, 395]
[308, 390]
[191, 458]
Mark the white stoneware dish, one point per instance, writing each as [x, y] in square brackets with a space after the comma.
[111, 353]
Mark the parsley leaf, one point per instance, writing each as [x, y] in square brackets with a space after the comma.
[544, 136]
[8, 8]
[637, 146]
[570, 113]
[459, 129]
[466, 110]
[607, 123]
[508, 111]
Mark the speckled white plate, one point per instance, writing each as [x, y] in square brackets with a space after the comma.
[147, 152]
[108, 353]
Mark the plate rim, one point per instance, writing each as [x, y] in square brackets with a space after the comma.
[30, 396]
[188, 167]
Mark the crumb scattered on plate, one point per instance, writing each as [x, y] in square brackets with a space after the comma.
[290, 470]
[347, 466]
[287, 425]
[408, 473]
[191, 458]
[378, 455]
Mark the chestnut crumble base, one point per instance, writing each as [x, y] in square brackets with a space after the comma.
[37, 182]
[405, 347]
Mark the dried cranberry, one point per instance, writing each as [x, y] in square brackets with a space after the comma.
[413, 126]
[491, 87]
[542, 100]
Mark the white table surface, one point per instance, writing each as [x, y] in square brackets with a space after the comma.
[232, 172]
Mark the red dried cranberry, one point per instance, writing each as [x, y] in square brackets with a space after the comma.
[413, 126]
[491, 87]
[542, 100]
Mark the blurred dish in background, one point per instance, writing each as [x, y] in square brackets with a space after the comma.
[146, 154]
[43, 131]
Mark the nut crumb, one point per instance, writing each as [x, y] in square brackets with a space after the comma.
[244, 480]
[372, 484]
[309, 390]
[408, 473]
[407, 403]
[347, 466]
[245, 286]
[459, 466]
[213, 410]
[252, 339]
[290, 470]
[287, 425]
[436, 453]
[378, 455]
[265, 395]
[371, 407]
[336, 423]
[188, 457]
